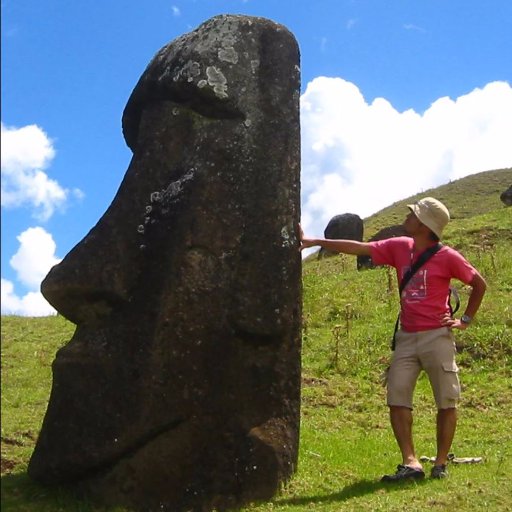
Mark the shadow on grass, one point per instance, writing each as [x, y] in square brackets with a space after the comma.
[357, 489]
[21, 494]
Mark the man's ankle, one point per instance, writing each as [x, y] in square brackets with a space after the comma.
[412, 462]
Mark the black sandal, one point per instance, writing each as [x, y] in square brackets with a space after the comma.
[439, 471]
[404, 473]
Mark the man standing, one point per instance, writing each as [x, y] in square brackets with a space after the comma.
[424, 340]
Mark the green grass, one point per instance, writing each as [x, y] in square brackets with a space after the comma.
[28, 349]
[346, 442]
[347, 445]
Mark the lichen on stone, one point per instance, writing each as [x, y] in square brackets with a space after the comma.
[155, 196]
[218, 81]
[228, 55]
[189, 71]
[285, 236]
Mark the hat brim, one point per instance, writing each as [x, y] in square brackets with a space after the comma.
[427, 222]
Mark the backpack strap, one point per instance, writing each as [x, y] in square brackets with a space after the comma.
[423, 258]
[455, 294]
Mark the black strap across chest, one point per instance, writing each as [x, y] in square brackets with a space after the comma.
[422, 259]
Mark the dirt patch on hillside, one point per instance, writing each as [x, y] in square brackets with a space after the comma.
[7, 465]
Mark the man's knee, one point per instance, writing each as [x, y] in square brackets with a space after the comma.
[447, 411]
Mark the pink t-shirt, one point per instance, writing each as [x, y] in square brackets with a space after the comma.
[425, 298]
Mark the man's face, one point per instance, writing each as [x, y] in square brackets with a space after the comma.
[412, 224]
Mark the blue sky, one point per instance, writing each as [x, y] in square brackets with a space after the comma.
[397, 96]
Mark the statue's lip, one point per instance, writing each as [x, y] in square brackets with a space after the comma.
[81, 304]
[47, 473]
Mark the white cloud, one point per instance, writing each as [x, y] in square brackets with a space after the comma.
[31, 304]
[35, 256]
[27, 147]
[358, 157]
[26, 153]
[32, 261]
[176, 10]
[411, 26]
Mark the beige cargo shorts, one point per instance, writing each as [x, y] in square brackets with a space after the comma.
[432, 351]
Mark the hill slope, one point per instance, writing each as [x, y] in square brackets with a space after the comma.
[346, 442]
[467, 197]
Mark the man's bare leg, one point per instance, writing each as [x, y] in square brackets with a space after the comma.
[401, 422]
[446, 424]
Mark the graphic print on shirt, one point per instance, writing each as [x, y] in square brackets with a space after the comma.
[416, 288]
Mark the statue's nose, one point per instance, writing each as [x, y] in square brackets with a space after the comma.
[101, 272]
[88, 283]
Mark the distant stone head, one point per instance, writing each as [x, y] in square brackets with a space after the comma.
[347, 226]
[506, 196]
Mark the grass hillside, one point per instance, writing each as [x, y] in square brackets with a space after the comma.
[466, 198]
[346, 441]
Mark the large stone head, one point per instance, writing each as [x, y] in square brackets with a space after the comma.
[181, 383]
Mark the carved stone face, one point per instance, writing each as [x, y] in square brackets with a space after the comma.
[182, 379]
[506, 196]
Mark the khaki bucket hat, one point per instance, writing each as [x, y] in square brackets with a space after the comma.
[432, 213]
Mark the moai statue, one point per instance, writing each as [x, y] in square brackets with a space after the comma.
[180, 388]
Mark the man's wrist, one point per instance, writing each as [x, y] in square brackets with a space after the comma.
[465, 319]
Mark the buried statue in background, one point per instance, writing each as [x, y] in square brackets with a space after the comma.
[180, 388]
[347, 226]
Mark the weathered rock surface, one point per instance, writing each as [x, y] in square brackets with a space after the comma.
[180, 388]
[347, 226]
[388, 232]
[506, 196]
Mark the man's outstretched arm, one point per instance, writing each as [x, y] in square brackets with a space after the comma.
[343, 246]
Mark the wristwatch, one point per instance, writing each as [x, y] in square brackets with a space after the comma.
[465, 319]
